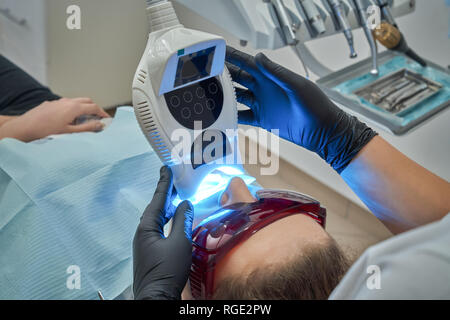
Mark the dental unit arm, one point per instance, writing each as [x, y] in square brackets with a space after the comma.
[257, 22]
[184, 99]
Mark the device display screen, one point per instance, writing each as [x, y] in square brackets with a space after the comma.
[194, 66]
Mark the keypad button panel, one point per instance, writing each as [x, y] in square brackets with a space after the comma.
[202, 101]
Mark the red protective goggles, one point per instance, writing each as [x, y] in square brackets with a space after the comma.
[215, 236]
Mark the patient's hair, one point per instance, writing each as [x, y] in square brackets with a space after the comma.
[311, 275]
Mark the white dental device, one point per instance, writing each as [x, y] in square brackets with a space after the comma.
[184, 99]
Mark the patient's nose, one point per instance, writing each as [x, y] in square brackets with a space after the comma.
[236, 191]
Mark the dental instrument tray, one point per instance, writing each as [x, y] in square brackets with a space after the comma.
[402, 97]
[399, 92]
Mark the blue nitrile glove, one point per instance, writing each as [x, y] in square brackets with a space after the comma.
[162, 265]
[281, 99]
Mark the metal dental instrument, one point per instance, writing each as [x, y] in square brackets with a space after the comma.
[415, 99]
[287, 27]
[393, 97]
[393, 86]
[100, 295]
[386, 92]
[313, 16]
[409, 94]
[339, 12]
[384, 6]
[285, 22]
[365, 25]
[382, 87]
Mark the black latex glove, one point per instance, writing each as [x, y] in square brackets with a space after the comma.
[162, 265]
[281, 99]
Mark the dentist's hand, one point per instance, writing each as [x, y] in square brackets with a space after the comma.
[281, 99]
[162, 265]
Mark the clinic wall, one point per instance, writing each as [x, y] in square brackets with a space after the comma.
[25, 44]
[100, 59]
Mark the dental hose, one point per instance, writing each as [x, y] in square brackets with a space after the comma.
[393, 39]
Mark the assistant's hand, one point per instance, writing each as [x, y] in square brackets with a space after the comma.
[55, 117]
[162, 265]
[281, 99]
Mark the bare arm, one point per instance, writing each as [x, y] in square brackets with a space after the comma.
[4, 119]
[50, 118]
[401, 193]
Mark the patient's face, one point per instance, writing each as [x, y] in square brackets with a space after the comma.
[275, 243]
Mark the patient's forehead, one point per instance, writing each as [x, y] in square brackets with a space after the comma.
[273, 245]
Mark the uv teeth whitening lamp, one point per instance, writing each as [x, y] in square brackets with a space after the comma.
[184, 99]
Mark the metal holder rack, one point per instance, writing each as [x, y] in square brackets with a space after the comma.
[392, 123]
[399, 92]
